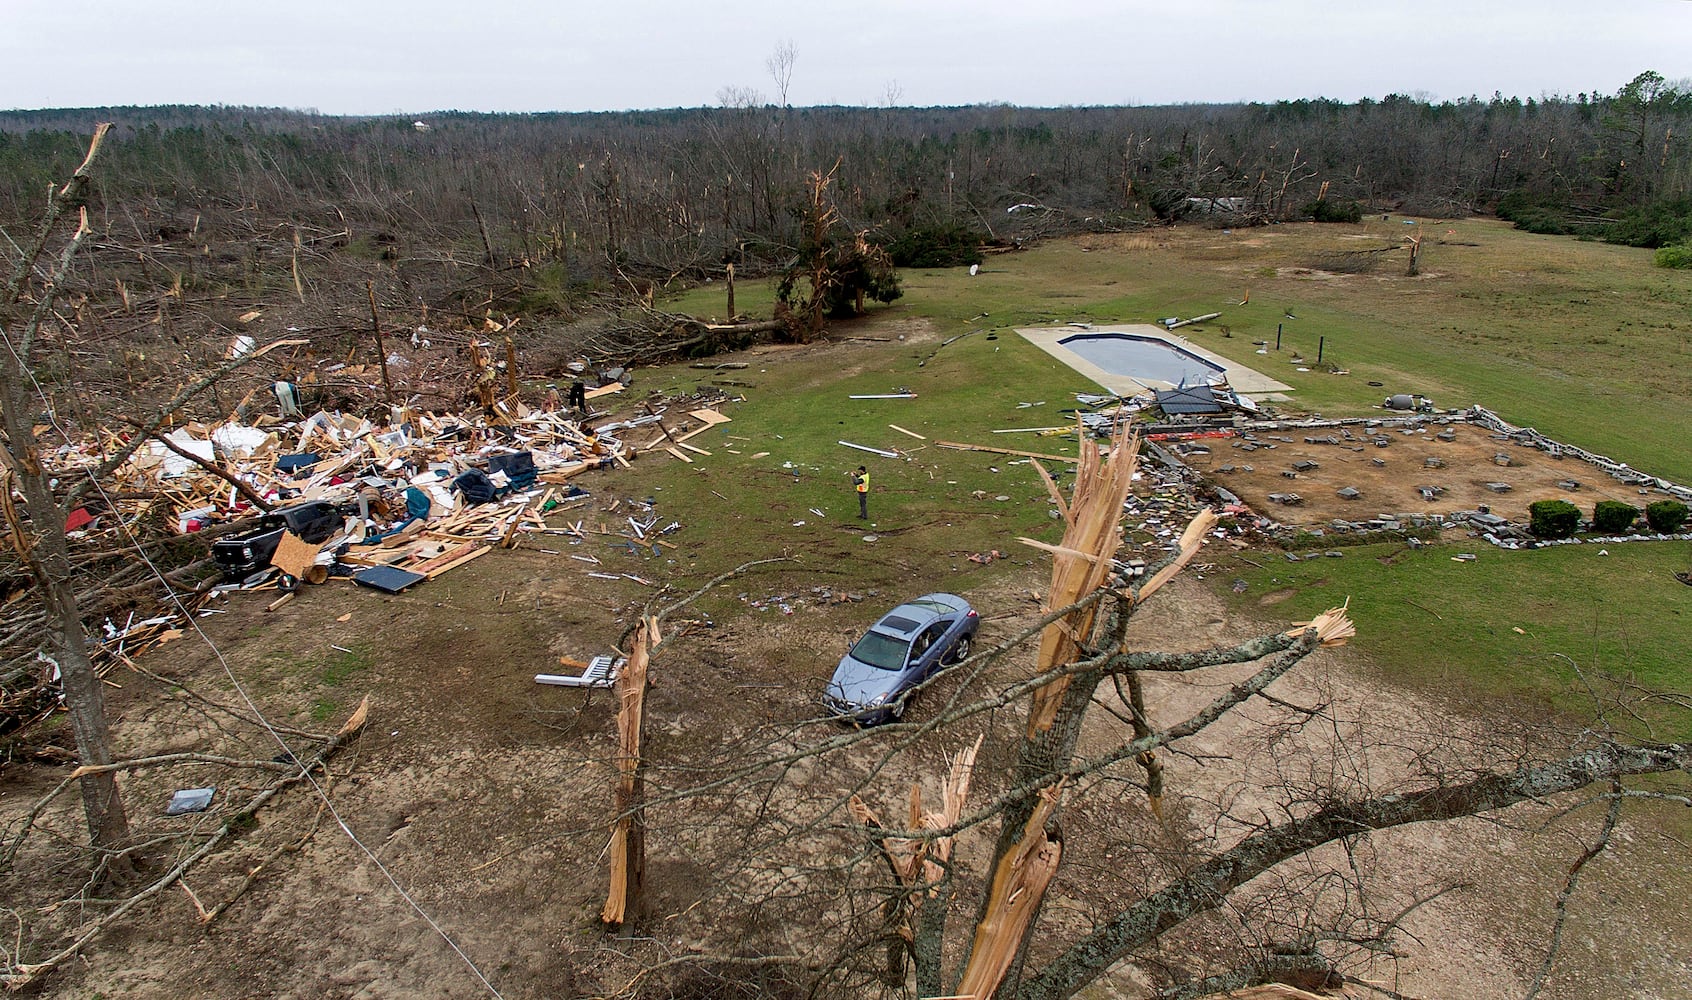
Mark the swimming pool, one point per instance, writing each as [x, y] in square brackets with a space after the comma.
[1142, 358]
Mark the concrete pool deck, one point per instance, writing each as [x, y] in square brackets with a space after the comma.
[1245, 381]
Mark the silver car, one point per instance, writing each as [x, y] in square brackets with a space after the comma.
[910, 644]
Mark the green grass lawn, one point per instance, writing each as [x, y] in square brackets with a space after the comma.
[1509, 624]
[929, 510]
[1587, 342]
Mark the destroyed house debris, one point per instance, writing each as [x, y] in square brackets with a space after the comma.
[333, 496]
[1188, 400]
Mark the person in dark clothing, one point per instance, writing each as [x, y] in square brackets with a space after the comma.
[860, 481]
[578, 395]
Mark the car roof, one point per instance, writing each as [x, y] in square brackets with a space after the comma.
[913, 616]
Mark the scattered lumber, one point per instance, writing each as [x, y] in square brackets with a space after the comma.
[873, 451]
[959, 446]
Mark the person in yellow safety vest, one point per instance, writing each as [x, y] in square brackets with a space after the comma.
[860, 479]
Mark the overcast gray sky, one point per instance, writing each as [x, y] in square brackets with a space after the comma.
[379, 57]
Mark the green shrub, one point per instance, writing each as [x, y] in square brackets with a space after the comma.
[1612, 517]
[935, 246]
[1658, 224]
[1323, 210]
[1534, 214]
[1675, 256]
[1552, 518]
[1665, 516]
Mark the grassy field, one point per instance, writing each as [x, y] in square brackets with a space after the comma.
[1508, 625]
[1587, 342]
[779, 461]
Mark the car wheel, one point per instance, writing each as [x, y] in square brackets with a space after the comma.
[959, 651]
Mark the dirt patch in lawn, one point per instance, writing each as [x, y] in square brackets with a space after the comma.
[1390, 479]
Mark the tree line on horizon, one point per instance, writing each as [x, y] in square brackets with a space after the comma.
[549, 208]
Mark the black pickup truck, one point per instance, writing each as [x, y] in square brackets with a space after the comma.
[240, 556]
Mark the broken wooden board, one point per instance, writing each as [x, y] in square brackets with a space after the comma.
[957, 446]
[450, 555]
[294, 555]
[562, 474]
[508, 537]
[454, 564]
[873, 451]
[707, 418]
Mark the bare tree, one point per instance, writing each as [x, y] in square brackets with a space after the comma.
[780, 65]
[33, 285]
[739, 98]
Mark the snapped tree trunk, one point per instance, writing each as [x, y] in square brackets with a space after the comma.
[628, 827]
[42, 545]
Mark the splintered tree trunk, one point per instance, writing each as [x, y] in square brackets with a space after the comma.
[108, 824]
[628, 829]
[45, 554]
[1028, 851]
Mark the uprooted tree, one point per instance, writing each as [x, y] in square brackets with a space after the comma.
[1192, 886]
[836, 267]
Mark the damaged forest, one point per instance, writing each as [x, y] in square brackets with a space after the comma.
[431, 540]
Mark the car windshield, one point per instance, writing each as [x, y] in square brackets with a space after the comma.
[882, 651]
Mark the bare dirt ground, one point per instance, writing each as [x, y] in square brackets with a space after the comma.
[484, 796]
[1467, 465]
